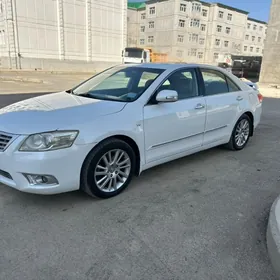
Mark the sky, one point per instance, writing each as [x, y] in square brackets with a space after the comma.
[258, 9]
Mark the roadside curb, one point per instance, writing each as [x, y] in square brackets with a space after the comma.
[21, 79]
[273, 236]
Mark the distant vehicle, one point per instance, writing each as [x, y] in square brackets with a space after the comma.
[241, 66]
[246, 66]
[142, 55]
[122, 121]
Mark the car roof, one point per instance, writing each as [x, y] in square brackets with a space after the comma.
[172, 66]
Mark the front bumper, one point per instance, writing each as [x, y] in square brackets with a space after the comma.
[65, 165]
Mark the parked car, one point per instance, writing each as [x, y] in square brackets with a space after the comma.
[120, 122]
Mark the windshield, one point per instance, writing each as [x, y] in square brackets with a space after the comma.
[121, 83]
[133, 53]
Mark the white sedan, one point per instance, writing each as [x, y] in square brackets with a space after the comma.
[127, 119]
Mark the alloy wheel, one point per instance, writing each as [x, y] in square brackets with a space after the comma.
[242, 132]
[112, 170]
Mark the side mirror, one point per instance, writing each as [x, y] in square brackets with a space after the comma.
[167, 95]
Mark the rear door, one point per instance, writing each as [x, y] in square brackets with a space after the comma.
[222, 97]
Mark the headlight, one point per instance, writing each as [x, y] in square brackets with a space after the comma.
[49, 141]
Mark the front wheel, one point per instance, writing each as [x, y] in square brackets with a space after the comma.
[241, 133]
[108, 169]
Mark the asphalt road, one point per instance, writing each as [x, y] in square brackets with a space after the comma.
[200, 217]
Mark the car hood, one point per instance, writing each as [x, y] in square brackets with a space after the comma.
[54, 111]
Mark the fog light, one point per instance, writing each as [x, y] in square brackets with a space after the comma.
[35, 179]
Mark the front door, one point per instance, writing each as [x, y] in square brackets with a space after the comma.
[175, 127]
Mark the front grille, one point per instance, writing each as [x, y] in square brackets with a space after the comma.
[4, 140]
[5, 174]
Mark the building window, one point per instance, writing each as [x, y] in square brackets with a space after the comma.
[228, 30]
[203, 27]
[151, 24]
[142, 41]
[200, 55]
[150, 39]
[183, 7]
[152, 10]
[181, 23]
[193, 37]
[196, 7]
[229, 17]
[253, 38]
[192, 52]
[2, 37]
[245, 48]
[204, 12]
[180, 38]
[248, 25]
[226, 43]
[201, 41]
[251, 49]
[247, 37]
[219, 28]
[142, 28]
[195, 22]
[258, 50]
[143, 15]
[261, 28]
[216, 56]
[217, 42]
[179, 53]
[221, 14]
[259, 39]
[254, 27]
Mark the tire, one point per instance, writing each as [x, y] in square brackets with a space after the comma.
[233, 142]
[91, 182]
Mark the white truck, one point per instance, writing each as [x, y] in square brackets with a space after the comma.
[142, 55]
[136, 55]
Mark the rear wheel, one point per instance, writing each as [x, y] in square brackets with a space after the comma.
[108, 169]
[241, 133]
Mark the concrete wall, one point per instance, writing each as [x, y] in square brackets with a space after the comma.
[270, 72]
[53, 33]
[133, 27]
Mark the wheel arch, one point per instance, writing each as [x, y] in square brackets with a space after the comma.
[131, 142]
[251, 116]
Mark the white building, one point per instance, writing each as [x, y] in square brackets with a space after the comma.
[193, 30]
[62, 34]
[255, 34]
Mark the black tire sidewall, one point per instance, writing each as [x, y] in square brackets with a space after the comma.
[236, 147]
[93, 159]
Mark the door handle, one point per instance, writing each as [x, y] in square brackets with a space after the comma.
[239, 98]
[199, 106]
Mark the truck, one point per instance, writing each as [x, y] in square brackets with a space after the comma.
[240, 65]
[142, 55]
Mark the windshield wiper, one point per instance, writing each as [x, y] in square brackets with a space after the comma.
[103, 97]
